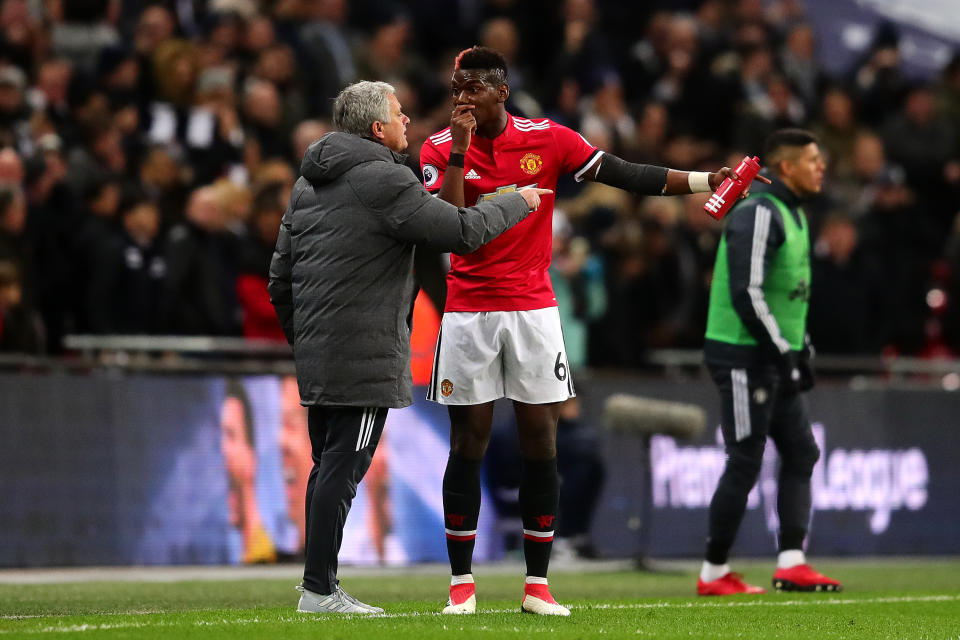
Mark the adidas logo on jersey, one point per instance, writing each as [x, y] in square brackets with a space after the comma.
[471, 175]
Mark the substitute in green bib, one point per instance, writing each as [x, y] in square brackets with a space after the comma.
[758, 353]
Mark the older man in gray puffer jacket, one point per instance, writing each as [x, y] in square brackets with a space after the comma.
[341, 281]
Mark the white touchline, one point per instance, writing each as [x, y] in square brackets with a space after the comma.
[819, 602]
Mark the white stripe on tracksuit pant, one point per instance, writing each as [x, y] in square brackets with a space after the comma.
[343, 441]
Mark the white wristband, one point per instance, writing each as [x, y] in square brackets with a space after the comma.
[699, 181]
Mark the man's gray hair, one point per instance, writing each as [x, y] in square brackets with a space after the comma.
[361, 104]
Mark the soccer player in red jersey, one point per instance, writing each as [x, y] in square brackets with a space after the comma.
[500, 334]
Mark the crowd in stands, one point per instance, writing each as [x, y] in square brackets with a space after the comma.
[147, 151]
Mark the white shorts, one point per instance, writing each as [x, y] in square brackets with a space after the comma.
[485, 355]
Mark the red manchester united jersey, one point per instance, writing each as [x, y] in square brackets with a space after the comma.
[509, 273]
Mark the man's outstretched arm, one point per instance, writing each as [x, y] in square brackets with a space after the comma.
[651, 180]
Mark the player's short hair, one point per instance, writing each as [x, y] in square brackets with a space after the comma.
[483, 58]
[783, 143]
[361, 104]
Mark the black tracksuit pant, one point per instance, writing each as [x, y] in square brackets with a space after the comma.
[753, 406]
[343, 440]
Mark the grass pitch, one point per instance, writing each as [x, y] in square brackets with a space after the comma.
[916, 598]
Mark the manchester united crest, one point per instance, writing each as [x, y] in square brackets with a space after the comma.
[446, 388]
[531, 163]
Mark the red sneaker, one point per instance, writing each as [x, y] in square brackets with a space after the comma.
[803, 578]
[728, 585]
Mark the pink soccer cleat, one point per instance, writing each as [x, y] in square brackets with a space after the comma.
[728, 585]
[463, 599]
[537, 599]
[803, 578]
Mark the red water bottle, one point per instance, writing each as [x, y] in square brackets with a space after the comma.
[729, 190]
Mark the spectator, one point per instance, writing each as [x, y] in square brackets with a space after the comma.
[800, 66]
[673, 278]
[176, 66]
[276, 64]
[266, 133]
[211, 129]
[567, 109]
[838, 130]
[20, 327]
[922, 142]
[899, 236]
[274, 171]
[236, 203]
[155, 26]
[652, 129]
[259, 318]
[326, 49]
[82, 29]
[21, 33]
[50, 94]
[141, 268]
[14, 111]
[878, 81]
[647, 58]
[97, 246]
[260, 34]
[501, 34]
[119, 77]
[687, 87]
[869, 160]
[846, 305]
[305, 134]
[776, 108]
[386, 53]
[165, 180]
[606, 109]
[224, 34]
[101, 157]
[584, 54]
[199, 296]
[53, 221]
[13, 222]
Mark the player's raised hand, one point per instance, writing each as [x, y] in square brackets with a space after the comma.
[462, 126]
[532, 196]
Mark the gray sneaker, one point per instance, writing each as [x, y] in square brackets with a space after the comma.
[337, 602]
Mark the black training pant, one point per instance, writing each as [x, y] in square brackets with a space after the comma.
[755, 405]
[343, 441]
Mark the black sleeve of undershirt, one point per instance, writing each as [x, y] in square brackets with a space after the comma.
[641, 179]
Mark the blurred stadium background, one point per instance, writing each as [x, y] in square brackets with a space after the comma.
[147, 150]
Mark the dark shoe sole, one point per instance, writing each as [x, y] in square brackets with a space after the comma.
[786, 585]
